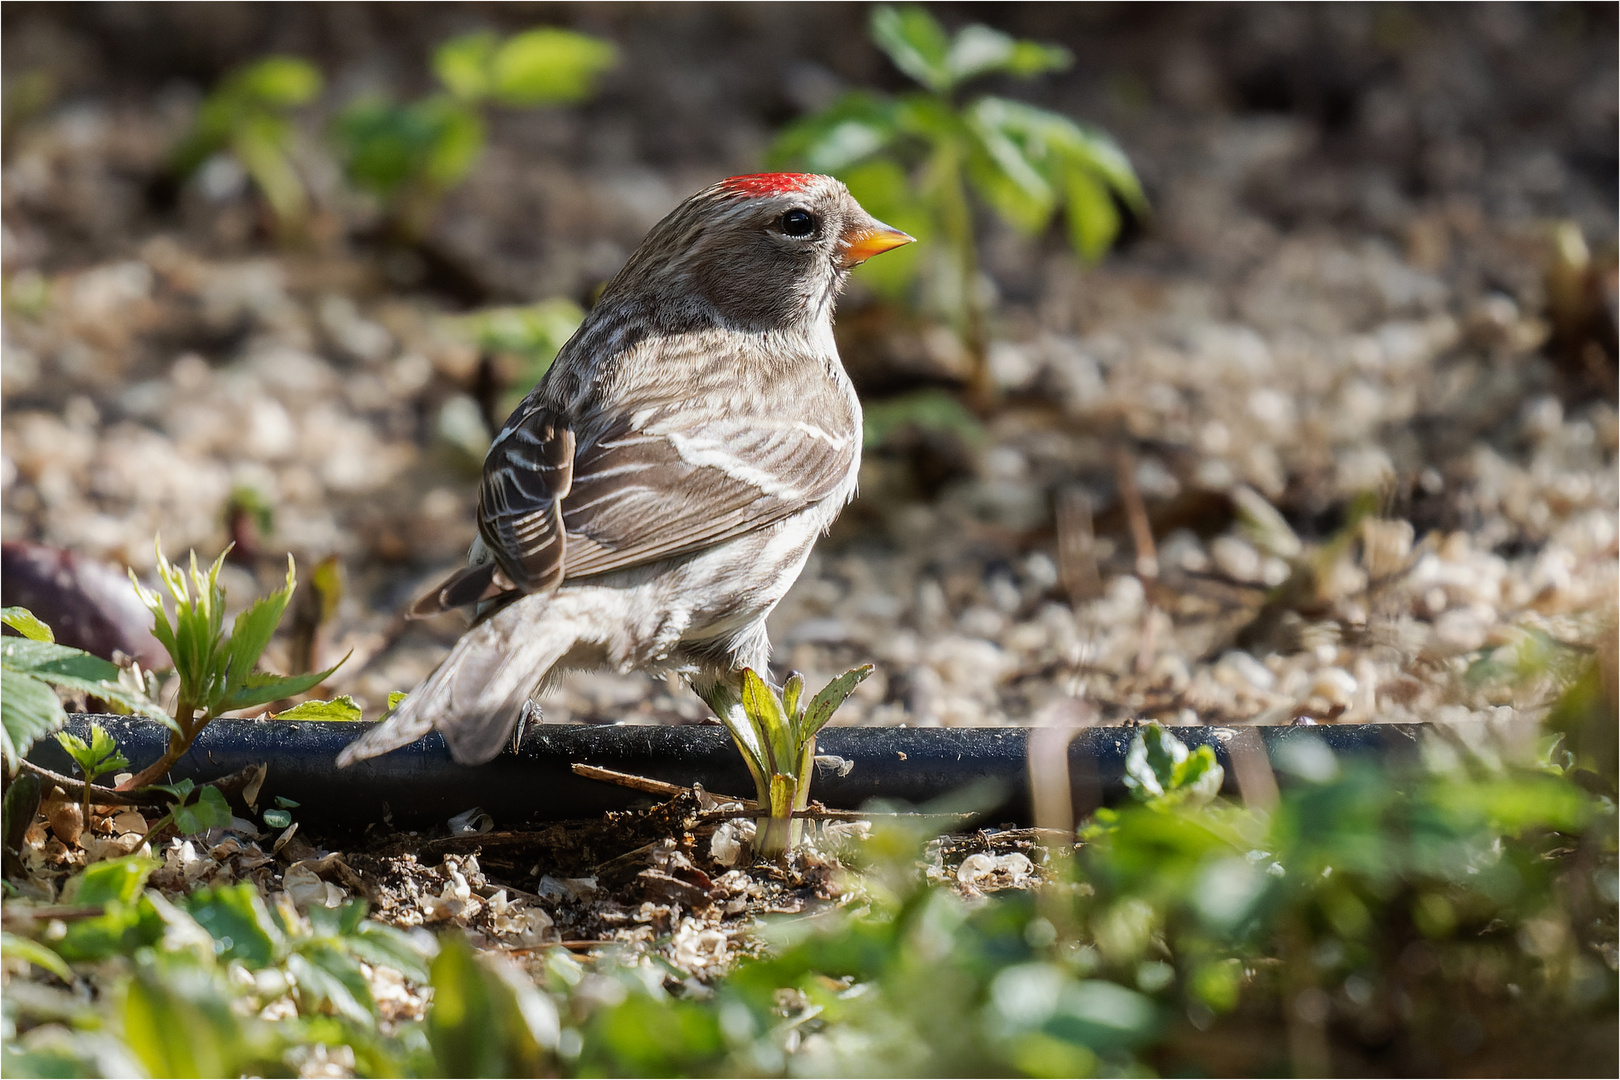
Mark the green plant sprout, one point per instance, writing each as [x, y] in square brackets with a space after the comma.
[246, 117]
[1161, 771]
[912, 160]
[98, 757]
[410, 155]
[32, 664]
[190, 816]
[215, 669]
[777, 738]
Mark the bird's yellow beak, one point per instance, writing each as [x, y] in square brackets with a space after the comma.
[864, 242]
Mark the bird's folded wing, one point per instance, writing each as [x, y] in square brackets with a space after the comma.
[652, 486]
[527, 474]
[684, 482]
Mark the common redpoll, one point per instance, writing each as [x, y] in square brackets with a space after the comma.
[652, 499]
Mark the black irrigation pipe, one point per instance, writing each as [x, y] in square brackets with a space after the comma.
[419, 786]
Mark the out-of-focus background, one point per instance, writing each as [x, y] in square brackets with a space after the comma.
[1328, 433]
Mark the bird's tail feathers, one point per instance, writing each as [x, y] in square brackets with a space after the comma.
[476, 696]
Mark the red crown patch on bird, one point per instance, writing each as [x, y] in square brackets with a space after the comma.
[776, 183]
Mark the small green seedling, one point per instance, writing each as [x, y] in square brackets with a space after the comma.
[98, 757]
[409, 155]
[215, 669]
[246, 116]
[1163, 772]
[32, 664]
[208, 810]
[777, 738]
[912, 159]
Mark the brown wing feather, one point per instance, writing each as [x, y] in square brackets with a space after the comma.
[527, 475]
[681, 484]
[573, 498]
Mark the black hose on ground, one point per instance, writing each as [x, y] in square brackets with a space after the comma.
[985, 770]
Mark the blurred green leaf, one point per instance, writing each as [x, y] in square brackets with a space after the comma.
[853, 128]
[240, 924]
[178, 1020]
[284, 81]
[487, 1020]
[28, 710]
[980, 50]
[547, 65]
[111, 879]
[13, 947]
[916, 43]
[463, 64]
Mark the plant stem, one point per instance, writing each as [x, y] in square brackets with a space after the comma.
[179, 743]
[956, 218]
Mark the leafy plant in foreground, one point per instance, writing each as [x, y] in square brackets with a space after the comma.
[409, 155]
[912, 160]
[32, 664]
[246, 117]
[776, 735]
[215, 669]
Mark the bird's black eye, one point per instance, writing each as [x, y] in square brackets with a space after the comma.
[798, 223]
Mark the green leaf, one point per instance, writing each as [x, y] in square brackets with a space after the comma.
[395, 697]
[385, 946]
[916, 43]
[548, 65]
[210, 811]
[761, 705]
[463, 64]
[326, 976]
[100, 755]
[277, 819]
[72, 670]
[1093, 219]
[120, 930]
[236, 917]
[487, 1020]
[791, 692]
[851, 129]
[251, 633]
[111, 879]
[339, 708]
[1160, 770]
[457, 145]
[24, 622]
[263, 687]
[28, 709]
[177, 1019]
[980, 50]
[832, 695]
[1006, 166]
[277, 81]
[13, 947]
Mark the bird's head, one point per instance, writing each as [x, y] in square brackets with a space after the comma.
[763, 252]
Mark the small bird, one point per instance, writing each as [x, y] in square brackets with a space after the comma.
[652, 499]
